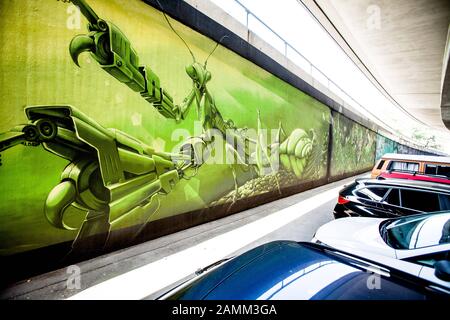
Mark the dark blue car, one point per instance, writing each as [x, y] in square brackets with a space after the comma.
[303, 271]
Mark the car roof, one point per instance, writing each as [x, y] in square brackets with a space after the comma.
[418, 184]
[292, 270]
[410, 157]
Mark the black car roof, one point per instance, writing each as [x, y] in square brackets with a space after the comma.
[417, 184]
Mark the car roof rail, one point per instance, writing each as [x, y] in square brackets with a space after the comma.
[414, 173]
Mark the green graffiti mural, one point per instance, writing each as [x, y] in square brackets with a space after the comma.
[385, 145]
[353, 146]
[101, 151]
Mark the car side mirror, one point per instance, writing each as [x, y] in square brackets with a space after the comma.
[442, 270]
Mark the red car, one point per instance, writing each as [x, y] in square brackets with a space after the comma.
[413, 176]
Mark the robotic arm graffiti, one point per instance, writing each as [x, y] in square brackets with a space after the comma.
[110, 175]
[114, 53]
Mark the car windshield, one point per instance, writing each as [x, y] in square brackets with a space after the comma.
[417, 231]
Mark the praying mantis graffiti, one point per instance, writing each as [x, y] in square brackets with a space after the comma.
[112, 176]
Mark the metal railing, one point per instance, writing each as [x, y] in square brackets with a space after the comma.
[317, 75]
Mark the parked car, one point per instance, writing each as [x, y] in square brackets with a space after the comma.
[416, 167]
[391, 198]
[422, 239]
[306, 271]
[399, 174]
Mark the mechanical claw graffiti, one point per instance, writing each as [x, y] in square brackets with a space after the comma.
[112, 175]
[115, 54]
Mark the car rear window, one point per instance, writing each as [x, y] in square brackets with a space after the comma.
[419, 200]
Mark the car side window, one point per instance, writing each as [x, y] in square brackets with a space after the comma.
[444, 201]
[430, 259]
[393, 197]
[404, 166]
[380, 165]
[372, 193]
[361, 194]
[420, 200]
[443, 171]
[437, 169]
[431, 169]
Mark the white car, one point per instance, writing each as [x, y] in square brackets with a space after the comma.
[419, 241]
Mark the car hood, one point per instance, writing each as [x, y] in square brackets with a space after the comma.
[356, 234]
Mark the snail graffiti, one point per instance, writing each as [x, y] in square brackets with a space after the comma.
[122, 148]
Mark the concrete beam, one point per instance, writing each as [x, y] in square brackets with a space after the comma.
[445, 91]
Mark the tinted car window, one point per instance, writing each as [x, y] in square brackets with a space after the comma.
[435, 169]
[443, 171]
[373, 193]
[418, 231]
[380, 165]
[419, 200]
[393, 197]
[431, 169]
[440, 170]
[430, 259]
[444, 201]
[362, 195]
[380, 192]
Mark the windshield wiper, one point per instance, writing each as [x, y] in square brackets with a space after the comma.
[200, 271]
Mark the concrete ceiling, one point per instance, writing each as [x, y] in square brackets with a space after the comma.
[399, 44]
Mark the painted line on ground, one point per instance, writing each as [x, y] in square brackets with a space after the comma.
[148, 279]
